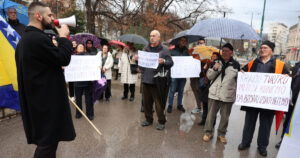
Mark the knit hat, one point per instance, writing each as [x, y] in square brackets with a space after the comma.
[228, 45]
[269, 44]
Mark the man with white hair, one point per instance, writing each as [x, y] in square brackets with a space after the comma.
[150, 89]
[14, 22]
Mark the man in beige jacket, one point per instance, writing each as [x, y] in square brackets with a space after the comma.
[223, 75]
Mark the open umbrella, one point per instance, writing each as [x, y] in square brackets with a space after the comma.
[22, 11]
[83, 37]
[205, 52]
[133, 38]
[191, 38]
[224, 28]
[116, 43]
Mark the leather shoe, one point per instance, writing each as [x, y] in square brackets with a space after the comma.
[181, 108]
[262, 151]
[243, 146]
[277, 146]
[131, 98]
[124, 97]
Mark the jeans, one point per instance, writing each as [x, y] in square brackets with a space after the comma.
[176, 85]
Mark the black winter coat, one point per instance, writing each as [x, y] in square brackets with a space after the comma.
[43, 95]
[17, 26]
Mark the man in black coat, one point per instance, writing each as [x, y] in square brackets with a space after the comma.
[14, 22]
[152, 92]
[43, 95]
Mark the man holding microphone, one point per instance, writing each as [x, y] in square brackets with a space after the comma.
[43, 95]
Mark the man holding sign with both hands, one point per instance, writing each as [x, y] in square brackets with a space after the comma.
[266, 63]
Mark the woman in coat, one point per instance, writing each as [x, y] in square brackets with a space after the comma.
[107, 64]
[86, 88]
[127, 77]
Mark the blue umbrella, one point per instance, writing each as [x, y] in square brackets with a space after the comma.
[224, 28]
[22, 11]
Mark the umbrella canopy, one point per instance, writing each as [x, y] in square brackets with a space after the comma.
[22, 11]
[224, 28]
[117, 43]
[191, 38]
[133, 38]
[83, 37]
[205, 52]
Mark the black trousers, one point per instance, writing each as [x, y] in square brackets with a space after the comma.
[131, 88]
[71, 89]
[287, 120]
[45, 151]
[87, 91]
[150, 96]
[108, 90]
[265, 124]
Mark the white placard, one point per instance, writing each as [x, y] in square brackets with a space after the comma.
[185, 67]
[148, 59]
[263, 90]
[83, 68]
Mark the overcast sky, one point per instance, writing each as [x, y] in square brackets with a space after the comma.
[284, 11]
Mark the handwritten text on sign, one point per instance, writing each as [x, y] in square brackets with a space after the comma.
[83, 68]
[185, 67]
[148, 59]
[263, 90]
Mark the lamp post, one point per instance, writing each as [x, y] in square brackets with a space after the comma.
[262, 23]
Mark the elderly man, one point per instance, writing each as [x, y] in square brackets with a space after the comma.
[223, 77]
[265, 63]
[150, 88]
[14, 22]
[43, 94]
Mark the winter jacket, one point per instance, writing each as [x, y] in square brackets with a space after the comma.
[148, 73]
[223, 80]
[108, 65]
[124, 68]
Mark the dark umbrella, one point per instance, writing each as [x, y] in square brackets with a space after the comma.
[133, 38]
[191, 38]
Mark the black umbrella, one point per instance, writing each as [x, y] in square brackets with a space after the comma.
[133, 38]
[191, 38]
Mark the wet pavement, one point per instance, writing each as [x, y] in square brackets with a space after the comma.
[123, 137]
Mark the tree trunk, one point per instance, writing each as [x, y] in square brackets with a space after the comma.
[90, 17]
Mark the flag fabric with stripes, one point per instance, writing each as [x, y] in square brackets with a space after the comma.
[9, 39]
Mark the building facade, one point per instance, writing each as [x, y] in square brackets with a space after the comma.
[278, 33]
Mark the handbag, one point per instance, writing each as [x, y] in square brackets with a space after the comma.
[133, 67]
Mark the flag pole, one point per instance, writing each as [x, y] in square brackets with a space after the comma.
[82, 113]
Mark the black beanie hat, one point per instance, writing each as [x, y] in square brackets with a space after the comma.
[269, 44]
[228, 45]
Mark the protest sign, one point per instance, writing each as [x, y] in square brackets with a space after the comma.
[263, 90]
[148, 59]
[83, 68]
[185, 67]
